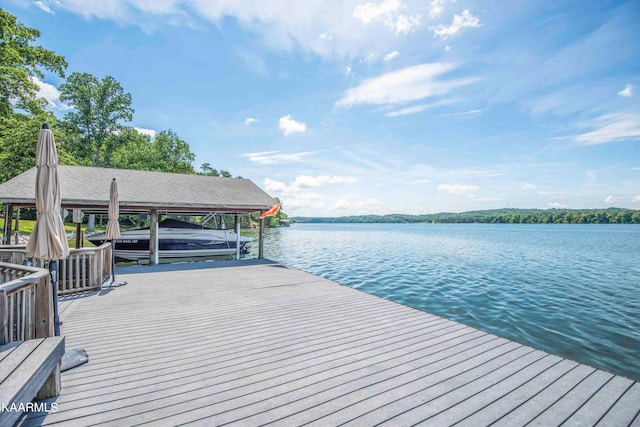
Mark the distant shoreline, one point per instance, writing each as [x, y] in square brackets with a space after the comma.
[494, 216]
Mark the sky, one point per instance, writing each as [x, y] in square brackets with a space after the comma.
[376, 107]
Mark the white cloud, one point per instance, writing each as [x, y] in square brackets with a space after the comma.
[406, 111]
[273, 186]
[406, 24]
[347, 70]
[528, 186]
[636, 199]
[351, 204]
[152, 133]
[370, 12]
[275, 157]
[389, 56]
[610, 200]
[306, 181]
[299, 195]
[405, 85]
[387, 12]
[250, 120]
[556, 205]
[627, 91]
[435, 8]
[289, 126]
[611, 128]
[44, 6]
[50, 93]
[304, 184]
[465, 113]
[459, 22]
[331, 29]
[459, 189]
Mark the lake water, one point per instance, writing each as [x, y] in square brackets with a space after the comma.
[572, 290]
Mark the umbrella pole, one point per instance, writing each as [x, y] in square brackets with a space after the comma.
[53, 271]
[113, 262]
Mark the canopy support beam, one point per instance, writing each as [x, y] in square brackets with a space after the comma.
[8, 219]
[261, 240]
[153, 238]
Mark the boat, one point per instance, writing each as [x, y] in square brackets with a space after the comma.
[176, 239]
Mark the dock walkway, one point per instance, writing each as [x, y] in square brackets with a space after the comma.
[258, 343]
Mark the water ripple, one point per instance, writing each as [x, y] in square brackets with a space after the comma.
[567, 289]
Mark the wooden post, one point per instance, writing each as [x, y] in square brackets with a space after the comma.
[17, 226]
[52, 386]
[44, 308]
[78, 236]
[153, 238]
[4, 318]
[8, 213]
[261, 240]
[237, 228]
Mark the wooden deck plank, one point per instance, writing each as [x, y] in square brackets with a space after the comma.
[565, 406]
[625, 410]
[328, 396]
[332, 381]
[599, 403]
[215, 368]
[504, 405]
[258, 372]
[15, 355]
[172, 390]
[550, 393]
[258, 344]
[474, 396]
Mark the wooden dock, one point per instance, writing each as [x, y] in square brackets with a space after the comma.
[258, 343]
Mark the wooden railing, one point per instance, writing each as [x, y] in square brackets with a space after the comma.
[26, 303]
[85, 269]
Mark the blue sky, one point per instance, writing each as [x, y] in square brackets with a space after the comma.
[383, 106]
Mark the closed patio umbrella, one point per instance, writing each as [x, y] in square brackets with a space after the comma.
[113, 227]
[48, 240]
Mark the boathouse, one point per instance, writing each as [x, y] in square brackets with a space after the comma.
[141, 192]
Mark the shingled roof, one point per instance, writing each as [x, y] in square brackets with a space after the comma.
[87, 188]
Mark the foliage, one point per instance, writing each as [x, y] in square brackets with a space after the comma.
[209, 171]
[166, 153]
[20, 63]
[99, 108]
[18, 140]
[498, 216]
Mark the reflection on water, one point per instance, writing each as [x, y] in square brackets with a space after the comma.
[567, 289]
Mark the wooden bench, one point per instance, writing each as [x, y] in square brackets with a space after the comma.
[28, 369]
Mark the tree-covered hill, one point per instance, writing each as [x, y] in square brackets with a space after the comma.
[497, 216]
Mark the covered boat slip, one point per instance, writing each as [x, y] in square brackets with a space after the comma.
[87, 189]
[253, 343]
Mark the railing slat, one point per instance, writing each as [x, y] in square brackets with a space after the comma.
[85, 269]
[26, 303]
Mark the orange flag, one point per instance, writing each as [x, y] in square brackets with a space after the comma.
[271, 212]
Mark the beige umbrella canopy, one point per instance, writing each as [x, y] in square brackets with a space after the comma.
[48, 239]
[113, 227]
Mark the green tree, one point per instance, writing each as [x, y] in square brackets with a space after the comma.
[166, 153]
[210, 171]
[173, 153]
[100, 107]
[18, 141]
[20, 63]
